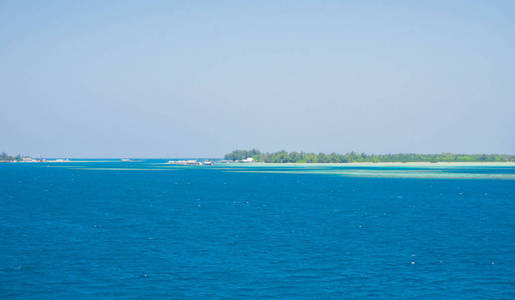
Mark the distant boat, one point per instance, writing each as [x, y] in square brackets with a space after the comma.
[125, 159]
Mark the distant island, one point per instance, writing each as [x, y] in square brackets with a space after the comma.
[4, 157]
[353, 157]
[254, 155]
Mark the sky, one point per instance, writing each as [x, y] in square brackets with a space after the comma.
[201, 78]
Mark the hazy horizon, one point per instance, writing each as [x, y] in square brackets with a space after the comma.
[165, 79]
[204, 157]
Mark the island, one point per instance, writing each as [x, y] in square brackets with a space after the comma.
[353, 157]
[4, 157]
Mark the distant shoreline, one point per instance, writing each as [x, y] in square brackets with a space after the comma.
[254, 155]
[389, 164]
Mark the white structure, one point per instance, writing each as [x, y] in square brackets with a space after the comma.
[247, 160]
[184, 162]
[28, 159]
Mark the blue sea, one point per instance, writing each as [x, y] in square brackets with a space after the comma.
[111, 229]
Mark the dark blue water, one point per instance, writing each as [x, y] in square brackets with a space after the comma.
[209, 233]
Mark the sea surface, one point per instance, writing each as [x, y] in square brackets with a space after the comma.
[111, 229]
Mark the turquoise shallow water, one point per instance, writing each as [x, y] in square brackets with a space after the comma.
[144, 229]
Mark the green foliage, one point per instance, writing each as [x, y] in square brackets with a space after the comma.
[243, 154]
[5, 157]
[302, 157]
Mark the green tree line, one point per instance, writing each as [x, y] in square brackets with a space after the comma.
[303, 157]
[5, 157]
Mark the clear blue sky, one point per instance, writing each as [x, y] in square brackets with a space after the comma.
[198, 79]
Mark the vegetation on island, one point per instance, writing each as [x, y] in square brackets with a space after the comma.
[303, 157]
[5, 157]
